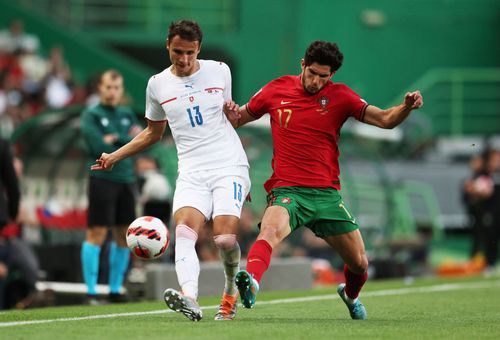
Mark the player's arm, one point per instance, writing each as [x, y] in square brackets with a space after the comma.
[392, 117]
[150, 135]
[240, 116]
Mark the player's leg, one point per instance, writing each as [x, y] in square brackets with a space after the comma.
[230, 188]
[101, 211]
[119, 254]
[274, 228]
[337, 225]
[225, 229]
[188, 223]
[351, 248]
[187, 265]
[192, 207]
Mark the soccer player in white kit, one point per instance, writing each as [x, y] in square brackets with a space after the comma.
[193, 96]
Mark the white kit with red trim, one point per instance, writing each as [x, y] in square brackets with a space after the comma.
[192, 105]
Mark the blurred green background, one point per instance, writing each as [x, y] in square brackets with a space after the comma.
[396, 182]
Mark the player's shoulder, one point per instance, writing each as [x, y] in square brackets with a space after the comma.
[213, 64]
[338, 87]
[287, 79]
[281, 83]
[159, 77]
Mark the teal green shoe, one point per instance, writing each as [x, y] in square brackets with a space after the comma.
[248, 288]
[356, 309]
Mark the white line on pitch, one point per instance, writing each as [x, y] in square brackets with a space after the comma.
[386, 292]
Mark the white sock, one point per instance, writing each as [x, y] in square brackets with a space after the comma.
[187, 264]
[231, 261]
[349, 300]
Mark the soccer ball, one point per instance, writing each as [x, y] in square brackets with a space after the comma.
[148, 237]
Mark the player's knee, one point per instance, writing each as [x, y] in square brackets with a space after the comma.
[225, 241]
[183, 231]
[360, 265]
[273, 235]
[96, 235]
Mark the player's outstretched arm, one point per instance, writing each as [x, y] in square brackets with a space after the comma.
[395, 115]
[150, 135]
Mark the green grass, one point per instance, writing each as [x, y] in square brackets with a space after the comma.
[427, 309]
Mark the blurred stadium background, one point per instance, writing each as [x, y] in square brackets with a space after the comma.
[404, 185]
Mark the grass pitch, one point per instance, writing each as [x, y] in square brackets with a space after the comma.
[426, 309]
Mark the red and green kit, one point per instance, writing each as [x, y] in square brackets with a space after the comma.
[305, 129]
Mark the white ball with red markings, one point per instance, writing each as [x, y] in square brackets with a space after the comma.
[148, 237]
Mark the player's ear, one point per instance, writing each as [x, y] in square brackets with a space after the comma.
[167, 44]
[302, 64]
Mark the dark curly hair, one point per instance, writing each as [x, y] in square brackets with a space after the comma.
[186, 29]
[324, 53]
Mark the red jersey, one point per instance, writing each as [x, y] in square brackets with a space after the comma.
[305, 129]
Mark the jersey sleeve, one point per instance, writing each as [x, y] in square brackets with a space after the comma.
[259, 103]
[355, 105]
[154, 111]
[227, 82]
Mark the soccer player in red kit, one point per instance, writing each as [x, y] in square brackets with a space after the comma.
[307, 112]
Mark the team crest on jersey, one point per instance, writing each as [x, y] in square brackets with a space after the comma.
[286, 200]
[323, 102]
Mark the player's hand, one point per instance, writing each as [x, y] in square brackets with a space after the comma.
[413, 100]
[103, 163]
[231, 110]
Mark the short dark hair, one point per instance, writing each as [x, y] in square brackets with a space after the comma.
[324, 53]
[114, 74]
[186, 29]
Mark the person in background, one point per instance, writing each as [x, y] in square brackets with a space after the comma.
[475, 190]
[111, 194]
[24, 265]
[155, 191]
[492, 212]
[10, 196]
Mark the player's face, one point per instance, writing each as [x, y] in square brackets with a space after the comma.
[315, 76]
[183, 55]
[111, 90]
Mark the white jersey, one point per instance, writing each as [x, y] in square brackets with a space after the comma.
[192, 106]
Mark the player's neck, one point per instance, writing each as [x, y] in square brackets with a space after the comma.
[179, 73]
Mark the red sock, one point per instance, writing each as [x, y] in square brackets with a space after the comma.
[259, 258]
[353, 282]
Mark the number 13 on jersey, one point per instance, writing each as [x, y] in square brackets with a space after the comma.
[195, 117]
[238, 194]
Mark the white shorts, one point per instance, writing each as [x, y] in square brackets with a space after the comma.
[213, 192]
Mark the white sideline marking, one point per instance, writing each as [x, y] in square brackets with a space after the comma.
[386, 292]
